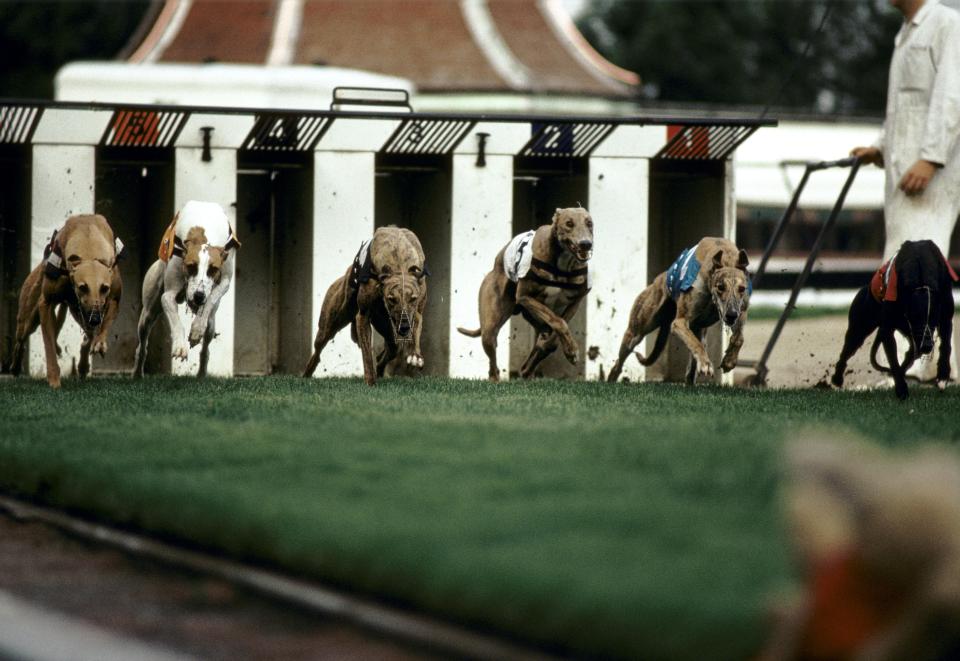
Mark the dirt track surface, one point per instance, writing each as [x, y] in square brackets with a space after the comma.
[807, 351]
[199, 616]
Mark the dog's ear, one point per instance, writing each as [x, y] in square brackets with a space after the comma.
[384, 273]
[742, 261]
[718, 259]
[73, 261]
[556, 215]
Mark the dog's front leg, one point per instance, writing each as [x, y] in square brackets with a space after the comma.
[896, 370]
[732, 354]
[48, 326]
[198, 328]
[548, 317]
[169, 302]
[99, 344]
[415, 359]
[546, 343]
[681, 329]
[366, 348]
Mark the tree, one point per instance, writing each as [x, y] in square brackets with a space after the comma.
[37, 38]
[751, 52]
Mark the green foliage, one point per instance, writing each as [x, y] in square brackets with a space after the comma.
[38, 37]
[751, 51]
[623, 520]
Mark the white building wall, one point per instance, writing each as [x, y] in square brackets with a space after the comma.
[619, 201]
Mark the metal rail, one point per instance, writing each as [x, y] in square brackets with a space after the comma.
[391, 622]
[760, 369]
[347, 114]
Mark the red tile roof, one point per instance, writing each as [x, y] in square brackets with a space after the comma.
[425, 41]
[440, 45]
[214, 30]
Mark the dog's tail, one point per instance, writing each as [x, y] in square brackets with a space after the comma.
[662, 336]
[908, 359]
[469, 333]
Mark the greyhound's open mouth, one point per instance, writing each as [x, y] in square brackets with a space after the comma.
[580, 254]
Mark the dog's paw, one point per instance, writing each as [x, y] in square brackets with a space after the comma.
[99, 347]
[196, 334]
[573, 356]
[415, 360]
[180, 350]
[941, 384]
[729, 362]
[900, 387]
[837, 380]
[704, 369]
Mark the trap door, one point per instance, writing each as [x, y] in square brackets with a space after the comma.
[15, 167]
[273, 273]
[688, 201]
[541, 185]
[415, 191]
[134, 192]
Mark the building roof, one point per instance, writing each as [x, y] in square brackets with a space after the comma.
[527, 46]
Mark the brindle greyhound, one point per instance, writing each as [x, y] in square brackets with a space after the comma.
[547, 294]
[717, 288]
[385, 287]
[79, 271]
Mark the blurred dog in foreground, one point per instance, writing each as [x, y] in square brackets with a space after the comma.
[877, 536]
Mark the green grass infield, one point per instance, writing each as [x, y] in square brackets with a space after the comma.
[621, 520]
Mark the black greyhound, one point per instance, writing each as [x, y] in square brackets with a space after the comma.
[913, 294]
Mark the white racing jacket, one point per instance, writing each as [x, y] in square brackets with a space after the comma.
[923, 122]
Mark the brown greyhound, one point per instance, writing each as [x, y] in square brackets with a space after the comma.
[79, 271]
[542, 275]
[385, 286]
[707, 283]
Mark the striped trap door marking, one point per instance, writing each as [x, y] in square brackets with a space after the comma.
[703, 142]
[566, 140]
[17, 123]
[149, 129]
[428, 136]
[284, 132]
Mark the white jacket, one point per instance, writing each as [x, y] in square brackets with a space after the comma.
[923, 122]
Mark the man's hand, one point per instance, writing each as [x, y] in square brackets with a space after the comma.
[918, 177]
[868, 155]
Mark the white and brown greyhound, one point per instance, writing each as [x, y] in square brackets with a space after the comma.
[195, 265]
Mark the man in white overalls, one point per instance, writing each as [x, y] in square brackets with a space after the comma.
[919, 144]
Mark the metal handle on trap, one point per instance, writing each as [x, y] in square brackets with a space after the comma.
[760, 377]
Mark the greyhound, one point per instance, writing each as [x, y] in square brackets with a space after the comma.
[196, 263]
[385, 287]
[706, 284]
[911, 293]
[543, 275]
[79, 272]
